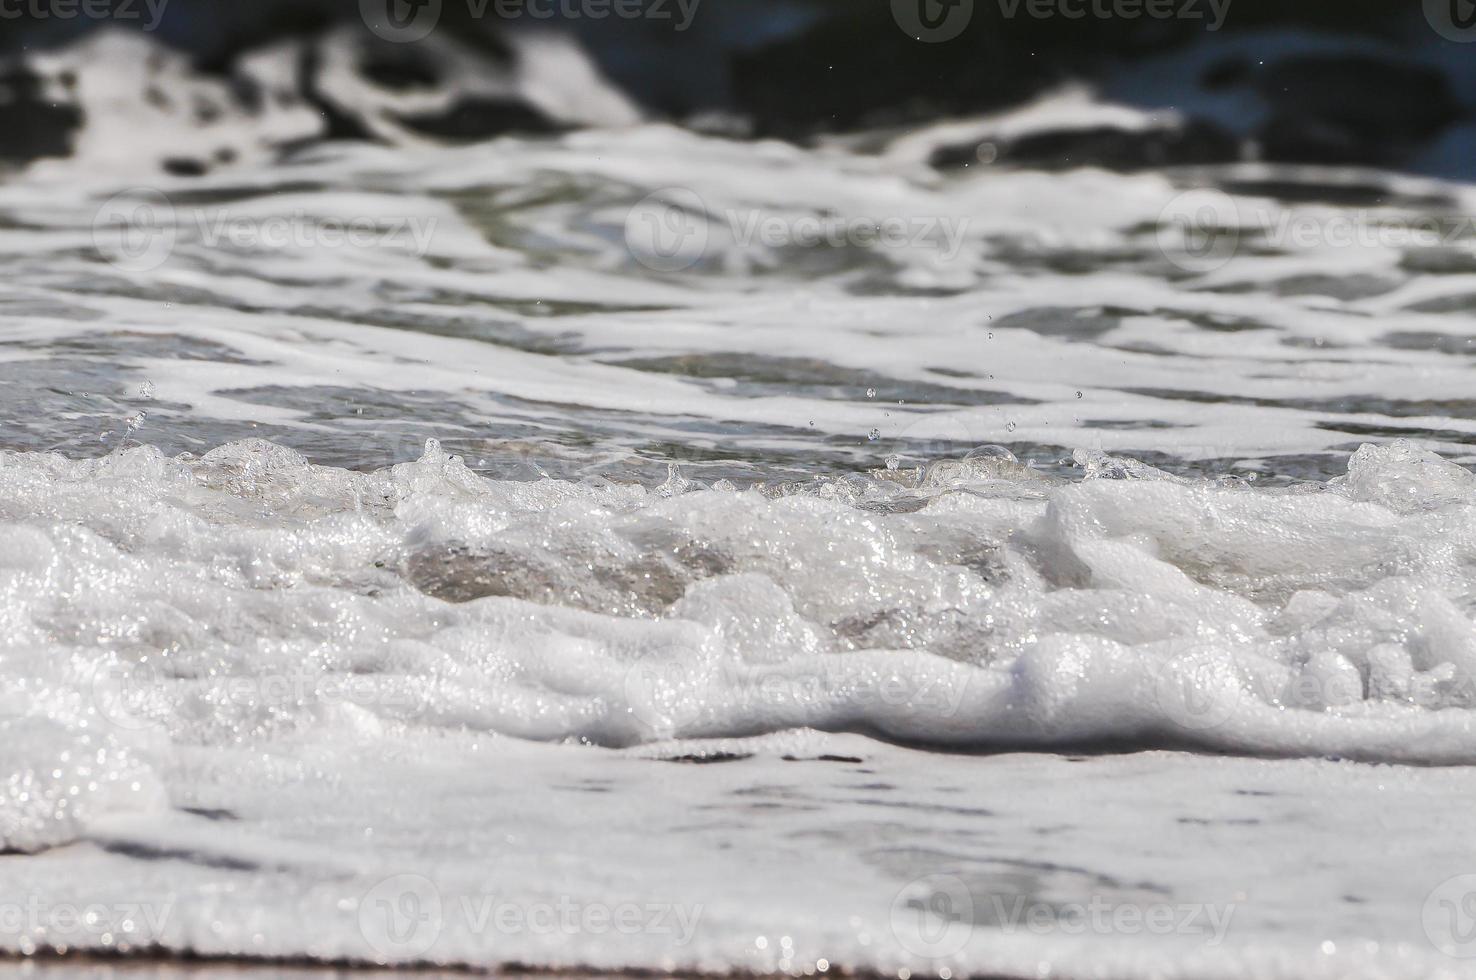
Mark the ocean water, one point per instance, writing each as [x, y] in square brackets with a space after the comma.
[636, 550]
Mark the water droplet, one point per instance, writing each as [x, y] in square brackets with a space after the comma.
[676, 484]
[1078, 394]
[1009, 427]
[870, 392]
[812, 423]
[874, 435]
[894, 461]
[146, 390]
[991, 335]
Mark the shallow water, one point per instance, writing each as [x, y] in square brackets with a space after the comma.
[434, 513]
[516, 301]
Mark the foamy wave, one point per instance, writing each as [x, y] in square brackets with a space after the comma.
[248, 595]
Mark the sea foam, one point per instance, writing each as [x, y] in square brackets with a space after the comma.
[247, 595]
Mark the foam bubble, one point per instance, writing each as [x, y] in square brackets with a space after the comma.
[250, 594]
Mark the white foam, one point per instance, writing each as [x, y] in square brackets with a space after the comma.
[269, 685]
[1006, 612]
[1217, 365]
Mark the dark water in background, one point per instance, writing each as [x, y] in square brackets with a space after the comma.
[1371, 83]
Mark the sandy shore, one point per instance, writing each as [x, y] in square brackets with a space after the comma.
[141, 968]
